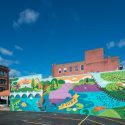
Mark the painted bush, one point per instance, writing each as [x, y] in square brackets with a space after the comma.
[99, 94]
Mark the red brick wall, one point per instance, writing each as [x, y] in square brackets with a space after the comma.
[62, 66]
[94, 55]
[94, 62]
[107, 64]
[5, 77]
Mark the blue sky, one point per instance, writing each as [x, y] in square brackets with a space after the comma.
[34, 34]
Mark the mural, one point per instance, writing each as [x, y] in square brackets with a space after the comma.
[99, 94]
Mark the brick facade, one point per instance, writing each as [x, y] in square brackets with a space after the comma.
[4, 81]
[94, 62]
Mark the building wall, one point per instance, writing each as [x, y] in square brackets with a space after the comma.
[4, 81]
[94, 62]
[98, 94]
[92, 56]
[55, 69]
[108, 64]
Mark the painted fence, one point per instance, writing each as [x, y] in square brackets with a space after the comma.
[99, 94]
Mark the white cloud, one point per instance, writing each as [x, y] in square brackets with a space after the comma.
[5, 51]
[110, 44]
[121, 43]
[7, 62]
[113, 44]
[14, 72]
[27, 16]
[18, 47]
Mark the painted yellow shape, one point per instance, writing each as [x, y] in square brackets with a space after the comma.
[70, 103]
[23, 104]
[75, 78]
[28, 81]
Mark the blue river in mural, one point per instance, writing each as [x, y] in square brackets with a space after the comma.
[88, 99]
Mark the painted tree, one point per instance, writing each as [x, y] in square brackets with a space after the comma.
[61, 81]
[33, 84]
[54, 84]
[82, 81]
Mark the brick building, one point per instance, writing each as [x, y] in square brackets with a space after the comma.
[4, 84]
[94, 62]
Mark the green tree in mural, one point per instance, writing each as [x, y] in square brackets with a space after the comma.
[33, 84]
[82, 81]
[48, 82]
[61, 81]
[54, 84]
[14, 83]
[86, 81]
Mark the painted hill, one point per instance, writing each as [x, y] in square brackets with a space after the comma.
[87, 88]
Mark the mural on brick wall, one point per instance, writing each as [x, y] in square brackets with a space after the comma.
[99, 94]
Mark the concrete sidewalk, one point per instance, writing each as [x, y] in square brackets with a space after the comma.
[34, 118]
[4, 108]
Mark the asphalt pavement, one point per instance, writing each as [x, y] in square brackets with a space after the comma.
[35, 118]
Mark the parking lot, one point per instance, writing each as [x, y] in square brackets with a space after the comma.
[34, 118]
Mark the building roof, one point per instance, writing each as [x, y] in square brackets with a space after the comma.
[5, 93]
[69, 63]
[4, 67]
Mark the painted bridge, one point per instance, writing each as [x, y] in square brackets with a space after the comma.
[25, 94]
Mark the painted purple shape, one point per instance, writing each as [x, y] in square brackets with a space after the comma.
[55, 101]
[86, 88]
[60, 94]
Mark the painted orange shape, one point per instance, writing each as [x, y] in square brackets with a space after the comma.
[97, 108]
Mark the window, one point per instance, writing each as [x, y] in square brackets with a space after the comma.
[2, 89]
[2, 81]
[59, 70]
[3, 73]
[82, 67]
[65, 69]
[76, 68]
[70, 69]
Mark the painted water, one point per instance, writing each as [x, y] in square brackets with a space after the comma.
[89, 100]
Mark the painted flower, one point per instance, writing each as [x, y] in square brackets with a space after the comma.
[23, 104]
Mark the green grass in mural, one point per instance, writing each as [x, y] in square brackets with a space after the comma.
[25, 89]
[110, 113]
[49, 89]
[120, 111]
[14, 104]
[85, 81]
[117, 94]
[114, 87]
[118, 76]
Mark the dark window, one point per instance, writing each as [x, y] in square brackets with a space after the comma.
[3, 73]
[82, 67]
[2, 89]
[65, 70]
[59, 71]
[3, 81]
[70, 69]
[76, 68]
